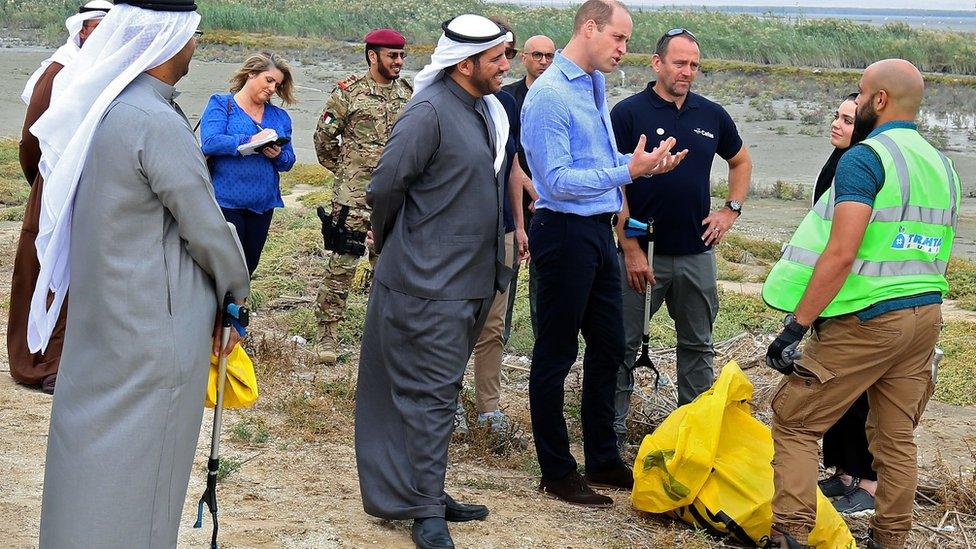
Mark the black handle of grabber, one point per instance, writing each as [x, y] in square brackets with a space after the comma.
[232, 310]
[210, 499]
[644, 361]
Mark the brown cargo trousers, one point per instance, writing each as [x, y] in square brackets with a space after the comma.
[491, 344]
[890, 357]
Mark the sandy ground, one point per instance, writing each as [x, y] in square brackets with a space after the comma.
[289, 493]
[295, 494]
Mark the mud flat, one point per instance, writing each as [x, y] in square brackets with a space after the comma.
[779, 150]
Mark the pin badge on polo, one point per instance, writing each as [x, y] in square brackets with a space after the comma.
[660, 131]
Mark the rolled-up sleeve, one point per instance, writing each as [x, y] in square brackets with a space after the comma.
[546, 128]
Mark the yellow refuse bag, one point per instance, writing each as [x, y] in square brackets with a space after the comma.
[242, 385]
[709, 465]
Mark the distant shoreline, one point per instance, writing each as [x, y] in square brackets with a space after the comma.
[956, 20]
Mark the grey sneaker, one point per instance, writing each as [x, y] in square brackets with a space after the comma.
[460, 422]
[497, 421]
[857, 503]
[834, 487]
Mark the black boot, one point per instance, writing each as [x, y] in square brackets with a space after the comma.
[573, 489]
[431, 533]
[463, 512]
[779, 540]
[870, 543]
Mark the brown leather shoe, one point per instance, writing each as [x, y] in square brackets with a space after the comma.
[48, 384]
[619, 477]
[573, 489]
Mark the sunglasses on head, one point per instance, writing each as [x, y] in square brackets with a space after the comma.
[510, 53]
[538, 56]
[678, 32]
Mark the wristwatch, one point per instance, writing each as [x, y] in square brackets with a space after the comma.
[735, 206]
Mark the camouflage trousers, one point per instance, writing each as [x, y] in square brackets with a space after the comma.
[341, 272]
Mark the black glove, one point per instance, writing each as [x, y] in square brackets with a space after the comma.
[782, 351]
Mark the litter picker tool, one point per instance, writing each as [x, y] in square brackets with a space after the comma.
[633, 229]
[233, 316]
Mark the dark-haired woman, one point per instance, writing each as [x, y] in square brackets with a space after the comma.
[845, 445]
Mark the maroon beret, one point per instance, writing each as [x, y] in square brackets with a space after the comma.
[385, 38]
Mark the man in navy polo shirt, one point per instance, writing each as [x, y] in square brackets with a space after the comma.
[685, 230]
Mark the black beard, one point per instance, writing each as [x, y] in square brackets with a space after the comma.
[387, 73]
[865, 120]
[486, 86]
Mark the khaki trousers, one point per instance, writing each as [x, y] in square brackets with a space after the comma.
[488, 350]
[890, 357]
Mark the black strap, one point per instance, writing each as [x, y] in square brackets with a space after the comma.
[195, 128]
[161, 5]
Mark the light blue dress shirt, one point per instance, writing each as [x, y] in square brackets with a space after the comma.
[569, 142]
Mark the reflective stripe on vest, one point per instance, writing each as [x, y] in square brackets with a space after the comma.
[907, 241]
[906, 212]
[870, 268]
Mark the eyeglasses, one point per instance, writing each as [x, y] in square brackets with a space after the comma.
[198, 33]
[394, 55]
[510, 53]
[538, 55]
[678, 32]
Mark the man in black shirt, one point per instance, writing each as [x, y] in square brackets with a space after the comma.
[684, 269]
[537, 54]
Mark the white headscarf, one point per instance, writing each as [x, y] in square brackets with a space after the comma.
[129, 41]
[449, 53]
[69, 50]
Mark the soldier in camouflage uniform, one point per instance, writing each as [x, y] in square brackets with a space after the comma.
[349, 139]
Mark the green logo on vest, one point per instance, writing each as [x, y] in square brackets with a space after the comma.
[910, 241]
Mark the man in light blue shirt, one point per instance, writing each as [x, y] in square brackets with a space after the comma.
[578, 172]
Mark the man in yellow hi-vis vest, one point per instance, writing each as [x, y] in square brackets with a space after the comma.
[866, 271]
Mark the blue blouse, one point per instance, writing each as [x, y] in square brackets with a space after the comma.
[244, 182]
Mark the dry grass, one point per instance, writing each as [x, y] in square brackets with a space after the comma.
[303, 402]
[946, 506]
[956, 382]
[13, 189]
[316, 198]
[953, 490]
[962, 282]
[311, 175]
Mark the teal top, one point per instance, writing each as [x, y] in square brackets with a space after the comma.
[859, 177]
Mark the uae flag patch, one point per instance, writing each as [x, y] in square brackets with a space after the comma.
[328, 118]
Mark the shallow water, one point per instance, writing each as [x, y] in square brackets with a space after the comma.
[779, 151]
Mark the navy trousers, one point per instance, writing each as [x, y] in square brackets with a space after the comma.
[252, 229]
[578, 292]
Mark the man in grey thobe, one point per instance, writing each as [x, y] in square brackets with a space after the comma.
[150, 256]
[436, 198]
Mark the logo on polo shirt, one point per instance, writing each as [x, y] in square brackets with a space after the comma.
[702, 132]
